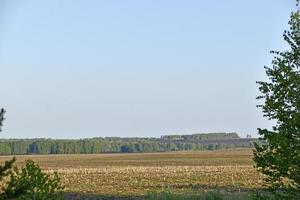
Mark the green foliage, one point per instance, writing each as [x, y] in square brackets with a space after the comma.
[211, 141]
[6, 168]
[201, 136]
[2, 111]
[279, 156]
[30, 182]
[8, 165]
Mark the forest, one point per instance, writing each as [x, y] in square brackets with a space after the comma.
[209, 141]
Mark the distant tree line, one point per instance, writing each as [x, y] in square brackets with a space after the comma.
[212, 141]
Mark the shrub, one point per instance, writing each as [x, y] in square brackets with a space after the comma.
[30, 182]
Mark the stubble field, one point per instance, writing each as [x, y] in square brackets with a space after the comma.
[141, 174]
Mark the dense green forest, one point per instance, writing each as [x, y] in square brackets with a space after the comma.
[211, 141]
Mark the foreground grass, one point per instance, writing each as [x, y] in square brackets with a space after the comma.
[138, 175]
[211, 195]
[169, 195]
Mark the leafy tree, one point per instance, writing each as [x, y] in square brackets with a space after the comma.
[278, 155]
[99, 145]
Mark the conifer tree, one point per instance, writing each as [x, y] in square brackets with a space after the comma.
[2, 111]
[6, 168]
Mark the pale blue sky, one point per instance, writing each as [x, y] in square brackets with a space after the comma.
[88, 68]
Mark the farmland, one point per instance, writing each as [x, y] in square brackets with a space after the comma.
[139, 174]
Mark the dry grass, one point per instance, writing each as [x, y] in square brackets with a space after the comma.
[139, 174]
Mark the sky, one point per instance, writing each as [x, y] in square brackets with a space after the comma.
[132, 68]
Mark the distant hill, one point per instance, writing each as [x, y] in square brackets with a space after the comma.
[203, 141]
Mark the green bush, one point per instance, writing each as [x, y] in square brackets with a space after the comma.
[30, 182]
[6, 168]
